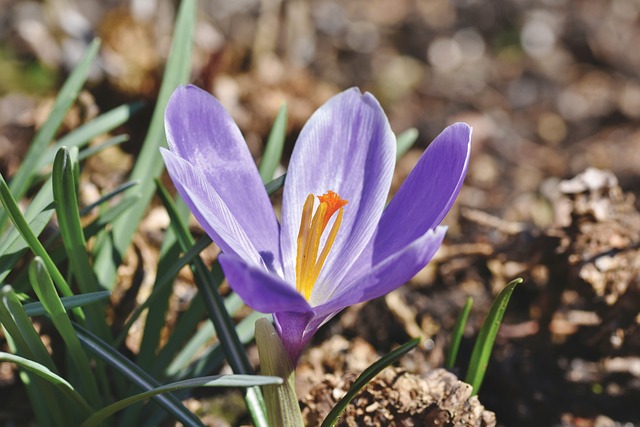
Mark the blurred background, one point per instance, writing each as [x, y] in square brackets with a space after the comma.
[551, 87]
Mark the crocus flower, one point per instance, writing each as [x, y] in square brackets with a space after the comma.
[337, 245]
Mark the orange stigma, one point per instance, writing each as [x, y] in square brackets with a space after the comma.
[308, 263]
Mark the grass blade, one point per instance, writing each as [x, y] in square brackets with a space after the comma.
[137, 376]
[43, 372]
[149, 164]
[212, 381]
[275, 185]
[208, 289]
[90, 151]
[27, 234]
[457, 333]
[67, 95]
[83, 134]
[43, 286]
[37, 309]
[275, 144]
[37, 215]
[365, 377]
[487, 336]
[405, 141]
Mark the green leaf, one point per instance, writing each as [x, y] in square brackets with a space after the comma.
[281, 400]
[149, 164]
[212, 381]
[208, 290]
[43, 286]
[32, 240]
[365, 377]
[275, 144]
[275, 185]
[36, 308]
[405, 141]
[98, 126]
[66, 202]
[43, 372]
[37, 215]
[136, 375]
[487, 336]
[67, 95]
[90, 151]
[458, 332]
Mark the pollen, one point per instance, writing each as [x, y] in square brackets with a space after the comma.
[312, 225]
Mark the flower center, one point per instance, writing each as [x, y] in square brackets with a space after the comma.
[308, 263]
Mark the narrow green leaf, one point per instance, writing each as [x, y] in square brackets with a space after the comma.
[136, 375]
[275, 185]
[90, 151]
[108, 196]
[27, 234]
[487, 336]
[83, 134]
[365, 377]
[43, 286]
[281, 400]
[36, 308]
[275, 144]
[457, 333]
[37, 215]
[20, 328]
[67, 95]
[66, 202]
[149, 163]
[43, 372]
[205, 334]
[212, 381]
[164, 282]
[208, 290]
[405, 141]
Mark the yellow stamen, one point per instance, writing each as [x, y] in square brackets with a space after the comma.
[308, 264]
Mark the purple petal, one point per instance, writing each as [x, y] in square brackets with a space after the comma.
[386, 276]
[209, 209]
[200, 131]
[259, 289]
[294, 332]
[347, 146]
[427, 194]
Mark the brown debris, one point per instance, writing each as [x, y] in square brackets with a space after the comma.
[398, 398]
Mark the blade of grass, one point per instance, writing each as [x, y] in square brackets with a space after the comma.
[66, 202]
[27, 234]
[67, 95]
[37, 215]
[457, 333]
[149, 164]
[275, 144]
[208, 289]
[43, 372]
[43, 286]
[36, 309]
[137, 376]
[165, 281]
[83, 134]
[405, 141]
[275, 185]
[212, 381]
[487, 336]
[108, 196]
[25, 341]
[90, 151]
[365, 377]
